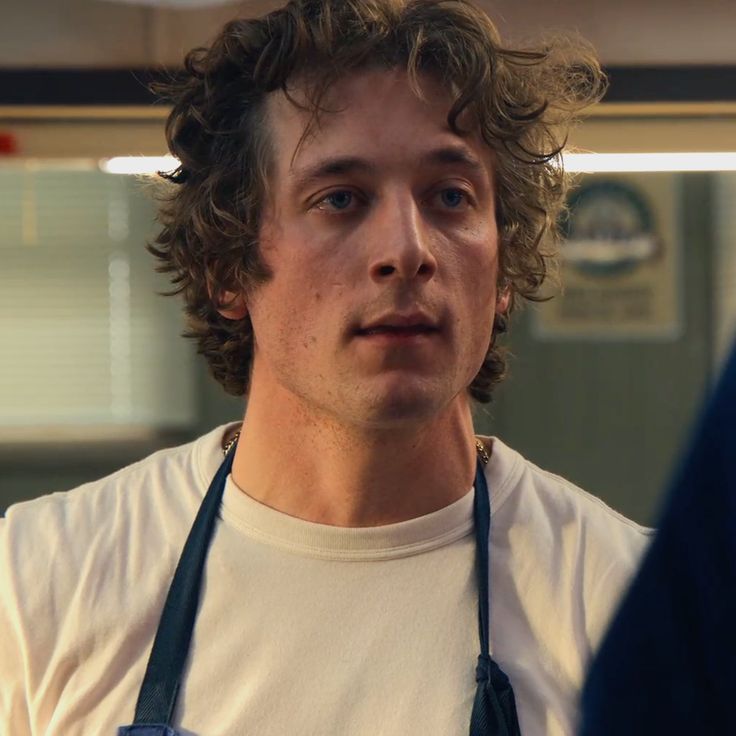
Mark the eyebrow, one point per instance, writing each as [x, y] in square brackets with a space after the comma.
[326, 168]
[455, 155]
[340, 165]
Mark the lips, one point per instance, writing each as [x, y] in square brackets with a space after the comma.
[400, 325]
[398, 330]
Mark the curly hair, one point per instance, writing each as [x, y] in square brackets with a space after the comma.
[522, 100]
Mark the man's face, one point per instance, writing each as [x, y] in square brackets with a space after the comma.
[382, 241]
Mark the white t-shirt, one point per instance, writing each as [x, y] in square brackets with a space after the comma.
[303, 628]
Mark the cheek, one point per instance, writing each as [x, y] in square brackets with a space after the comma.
[476, 264]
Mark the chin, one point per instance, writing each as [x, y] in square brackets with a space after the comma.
[405, 407]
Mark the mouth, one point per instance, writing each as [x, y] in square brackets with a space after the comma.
[397, 331]
[400, 327]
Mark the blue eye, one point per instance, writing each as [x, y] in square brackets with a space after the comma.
[339, 200]
[453, 197]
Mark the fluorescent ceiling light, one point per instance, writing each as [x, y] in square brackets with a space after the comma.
[138, 164]
[574, 162]
[676, 161]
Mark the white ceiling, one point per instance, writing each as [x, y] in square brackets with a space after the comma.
[108, 34]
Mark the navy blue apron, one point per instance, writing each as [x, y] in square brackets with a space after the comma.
[494, 708]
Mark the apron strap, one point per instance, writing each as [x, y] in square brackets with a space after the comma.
[494, 707]
[157, 697]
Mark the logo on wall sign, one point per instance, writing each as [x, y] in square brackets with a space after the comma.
[609, 229]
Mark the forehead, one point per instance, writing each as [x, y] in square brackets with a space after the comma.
[374, 115]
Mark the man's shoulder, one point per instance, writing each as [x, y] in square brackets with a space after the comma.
[74, 564]
[171, 471]
[565, 541]
[121, 533]
[519, 481]
[136, 502]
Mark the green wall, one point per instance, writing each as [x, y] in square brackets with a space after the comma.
[613, 416]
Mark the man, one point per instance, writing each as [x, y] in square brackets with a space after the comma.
[366, 188]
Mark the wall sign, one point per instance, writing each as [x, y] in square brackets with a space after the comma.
[619, 262]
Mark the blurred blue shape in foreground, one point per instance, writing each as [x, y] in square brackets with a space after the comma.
[668, 662]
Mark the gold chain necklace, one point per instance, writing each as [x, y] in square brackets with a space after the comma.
[482, 452]
[479, 446]
[230, 443]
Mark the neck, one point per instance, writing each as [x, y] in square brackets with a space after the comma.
[315, 468]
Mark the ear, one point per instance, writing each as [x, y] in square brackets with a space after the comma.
[230, 305]
[503, 300]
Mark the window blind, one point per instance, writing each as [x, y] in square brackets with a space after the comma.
[85, 339]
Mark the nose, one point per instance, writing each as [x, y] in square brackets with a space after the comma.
[401, 242]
